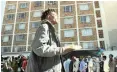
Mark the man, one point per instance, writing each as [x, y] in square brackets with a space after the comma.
[46, 50]
[111, 63]
[105, 66]
[97, 64]
[90, 65]
[66, 65]
[83, 65]
[101, 65]
[74, 64]
[100, 52]
[115, 64]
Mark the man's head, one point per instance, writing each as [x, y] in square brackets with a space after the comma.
[50, 15]
[110, 56]
[74, 58]
[104, 58]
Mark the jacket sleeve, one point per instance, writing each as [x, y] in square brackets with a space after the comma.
[39, 45]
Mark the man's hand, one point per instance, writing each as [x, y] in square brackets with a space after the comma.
[70, 48]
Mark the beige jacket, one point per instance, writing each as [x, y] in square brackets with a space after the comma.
[44, 57]
[106, 66]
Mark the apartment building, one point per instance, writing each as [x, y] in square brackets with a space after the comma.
[80, 23]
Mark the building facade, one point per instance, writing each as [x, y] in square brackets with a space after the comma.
[80, 23]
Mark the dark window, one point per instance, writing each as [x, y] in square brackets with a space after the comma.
[19, 49]
[10, 16]
[23, 5]
[29, 48]
[100, 33]
[6, 49]
[20, 37]
[68, 9]
[98, 13]
[85, 19]
[102, 44]
[51, 2]
[99, 23]
[21, 15]
[35, 24]
[96, 4]
[37, 3]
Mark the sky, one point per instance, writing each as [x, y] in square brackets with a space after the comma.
[110, 8]
[110, 15]
[2, 7]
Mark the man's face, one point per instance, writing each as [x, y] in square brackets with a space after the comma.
[74, 58]
[110, 56]
[53, 18]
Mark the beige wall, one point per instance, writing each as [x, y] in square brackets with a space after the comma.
[110, 22]
[110, 8]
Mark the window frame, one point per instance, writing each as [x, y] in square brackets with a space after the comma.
[10, 16]
[8, 38]
[19, 49]
[7, 28]
[101, 33]
[26, 5]
[37, 3]
[89, 45]
[72, 35]
[51, 2]
[68, 8]
[19, 39]
[21, 14]
[10, 7]
[40, 12]
[21, 24]
[85, 20]
[70, 19]
[8, 49]
[86, 33]
[37, 24]
[83, 8]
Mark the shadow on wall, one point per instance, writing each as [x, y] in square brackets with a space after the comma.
[113, 39]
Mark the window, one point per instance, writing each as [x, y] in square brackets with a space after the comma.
[10, 16]
[19, 49]
[88, 45]
[68, 9]
[66, 44]
[98, 13]
[51, 2]
[87, 32]
[99, 23]
[20, 37]
[85, 19]
[69, 33]
[21, 15]
[35, 24]
[29, 48]
[100, 33]
[84, 7]
[11, 7]
[37, 14]
[8, 27]
[5, 38]
[33, 35]
[102, 44]
[23, 5]
[68, 20]
[21, 26]
[37, 3]
[96, 4]
[5, 49]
